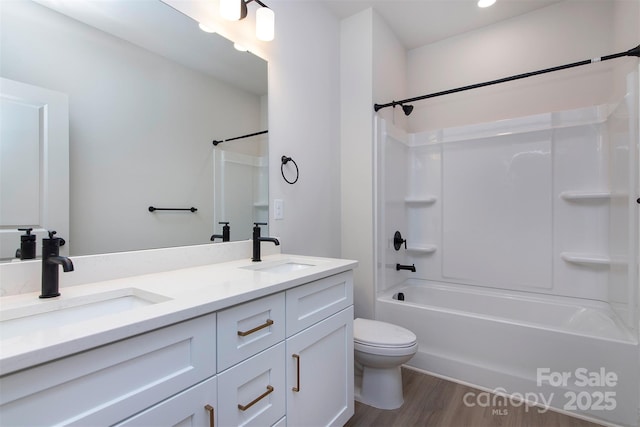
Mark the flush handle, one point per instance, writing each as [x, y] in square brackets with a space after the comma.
[266, 324]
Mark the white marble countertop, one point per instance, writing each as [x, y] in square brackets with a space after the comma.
[189, 292]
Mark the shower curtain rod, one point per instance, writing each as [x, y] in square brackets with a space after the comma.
[408, 108]
[215, 142]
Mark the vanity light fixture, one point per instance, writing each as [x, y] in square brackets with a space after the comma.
[486, 3]
[235, 10]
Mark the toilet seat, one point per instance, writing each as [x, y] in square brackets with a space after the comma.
[373, 334]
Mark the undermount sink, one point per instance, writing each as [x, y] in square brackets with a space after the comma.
[281, 266]
[48, 314]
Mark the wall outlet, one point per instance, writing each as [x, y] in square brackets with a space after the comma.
[278, 209]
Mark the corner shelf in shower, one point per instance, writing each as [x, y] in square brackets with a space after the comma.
[422, 249]
[590, 259]
[427, 200]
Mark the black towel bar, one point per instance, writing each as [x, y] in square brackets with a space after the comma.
[152, 209]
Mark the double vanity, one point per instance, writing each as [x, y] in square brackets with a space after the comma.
[227, 343]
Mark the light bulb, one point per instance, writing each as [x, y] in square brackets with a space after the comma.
[485, 3]
[265, 24]
[240, 47]
[230, 9]
[206, 28]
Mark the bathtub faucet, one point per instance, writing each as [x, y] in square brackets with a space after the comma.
[411, 268]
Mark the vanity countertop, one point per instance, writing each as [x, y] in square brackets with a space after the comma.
[184, 294]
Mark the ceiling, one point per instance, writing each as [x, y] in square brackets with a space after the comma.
[157, 27]
[420, 22]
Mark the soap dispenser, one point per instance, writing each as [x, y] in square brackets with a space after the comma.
[27, 245]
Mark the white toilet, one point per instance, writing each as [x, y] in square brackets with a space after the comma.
[379, 350]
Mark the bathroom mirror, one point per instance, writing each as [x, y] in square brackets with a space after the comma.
[148, 93]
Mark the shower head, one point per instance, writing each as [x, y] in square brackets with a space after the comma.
[407, 109]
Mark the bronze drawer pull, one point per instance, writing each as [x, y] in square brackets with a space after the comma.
[297, 387]
[210, 410]
[266, 324]
[256, 400]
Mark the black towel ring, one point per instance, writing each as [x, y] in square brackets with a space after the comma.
[286, 160]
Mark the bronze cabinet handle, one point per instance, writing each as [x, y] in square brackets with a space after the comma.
[266, 324]
[256, 400]
[210, 410]
[297, 387]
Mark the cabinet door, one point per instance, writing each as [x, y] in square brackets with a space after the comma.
[320, 373]
[193, 407]
[252, 393]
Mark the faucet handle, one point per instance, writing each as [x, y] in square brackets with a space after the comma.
[61, 241]
[260, 223]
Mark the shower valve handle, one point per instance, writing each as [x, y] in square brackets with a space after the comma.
[398, 241]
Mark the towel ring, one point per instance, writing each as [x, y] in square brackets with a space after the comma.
[286, 160]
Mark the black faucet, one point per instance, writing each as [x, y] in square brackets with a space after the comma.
[27, 245]
[257, 239]
[411, 268]
[51, 259]
[226, 233]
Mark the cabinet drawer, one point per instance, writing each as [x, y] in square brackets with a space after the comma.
[258, 386]
[194, 406]
[310, 303]
[107, 384]
[249, 328]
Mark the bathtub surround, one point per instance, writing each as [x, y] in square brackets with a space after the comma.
[521, 232]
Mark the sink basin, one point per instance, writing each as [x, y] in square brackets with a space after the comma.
[47, 314]
[281, 266]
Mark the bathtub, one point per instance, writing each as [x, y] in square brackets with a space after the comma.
[558, 353]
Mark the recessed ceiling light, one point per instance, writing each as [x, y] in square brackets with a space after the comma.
[485, 3]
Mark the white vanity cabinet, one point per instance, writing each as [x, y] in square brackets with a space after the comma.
[107, 384]
[320, 352]
[281, 359]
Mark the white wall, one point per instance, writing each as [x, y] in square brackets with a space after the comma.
[367, 74]
[562, 33]
[304, 116]
[140, 130]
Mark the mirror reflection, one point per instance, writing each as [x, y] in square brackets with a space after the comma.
[148, 92]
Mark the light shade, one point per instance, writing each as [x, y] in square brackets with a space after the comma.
[231, 9]
[265, 24]
[485, 3]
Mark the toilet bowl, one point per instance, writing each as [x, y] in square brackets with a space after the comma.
[380, 349]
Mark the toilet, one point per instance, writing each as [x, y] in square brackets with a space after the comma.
[380, 349]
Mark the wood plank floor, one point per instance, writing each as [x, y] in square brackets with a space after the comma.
[434, 402]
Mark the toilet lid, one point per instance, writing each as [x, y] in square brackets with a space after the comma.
[381, 334]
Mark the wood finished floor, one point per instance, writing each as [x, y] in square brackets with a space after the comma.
[434, 402]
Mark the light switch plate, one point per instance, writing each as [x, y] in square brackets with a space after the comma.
[278, 209]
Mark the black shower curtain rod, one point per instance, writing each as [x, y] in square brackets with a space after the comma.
[408, 108]
[216, 142]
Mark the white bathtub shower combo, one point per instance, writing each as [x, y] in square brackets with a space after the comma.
[524, 236]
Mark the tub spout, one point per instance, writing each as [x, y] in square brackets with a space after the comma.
[411, 268]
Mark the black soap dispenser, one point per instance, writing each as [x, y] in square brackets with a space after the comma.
[27, 245]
